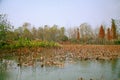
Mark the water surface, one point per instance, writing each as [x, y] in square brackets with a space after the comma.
[90, 69]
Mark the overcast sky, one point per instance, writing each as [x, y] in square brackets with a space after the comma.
[66, 13]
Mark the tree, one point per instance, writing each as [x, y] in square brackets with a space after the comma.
[101, 32]
[86, 32]
[78, 34]
[71, 32]
[40, 33]
[46, 33]
[10, 35]
[113, 30]
[26, 25]
[96, 33]
[27, 34]
[34, 33]
[54, 33]
[19, 32]
[4, 27]
[25, 31]
[117, 22]
[62, 35]
[108, 34]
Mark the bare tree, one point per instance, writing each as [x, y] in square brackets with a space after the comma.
[86, 32]
[71, 32]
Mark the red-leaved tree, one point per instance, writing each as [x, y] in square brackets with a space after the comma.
[101, 32]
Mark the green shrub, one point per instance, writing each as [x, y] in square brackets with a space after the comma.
[117, 42]
[28, 43]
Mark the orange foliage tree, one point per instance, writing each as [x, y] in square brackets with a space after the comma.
[101, 32]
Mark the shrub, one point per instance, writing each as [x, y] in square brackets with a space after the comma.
[117, 42]
[28, 43]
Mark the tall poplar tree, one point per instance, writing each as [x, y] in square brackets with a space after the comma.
[113, 30]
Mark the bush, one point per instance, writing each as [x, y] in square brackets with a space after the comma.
[2, 43]
[64, 38]
[117, 42]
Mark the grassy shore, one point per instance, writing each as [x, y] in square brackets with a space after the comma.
[58, 55]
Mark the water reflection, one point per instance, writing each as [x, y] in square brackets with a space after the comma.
[3, 70]
[86, 70]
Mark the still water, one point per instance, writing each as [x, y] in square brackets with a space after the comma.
[90, 69]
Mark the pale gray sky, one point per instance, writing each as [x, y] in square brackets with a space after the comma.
[61, 12]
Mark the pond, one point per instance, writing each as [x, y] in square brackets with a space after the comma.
[79, 70]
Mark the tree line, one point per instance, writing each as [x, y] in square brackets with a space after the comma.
[83, 34]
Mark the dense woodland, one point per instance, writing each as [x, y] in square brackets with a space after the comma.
[83, 34]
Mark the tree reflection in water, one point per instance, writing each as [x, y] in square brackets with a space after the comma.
[3, 70]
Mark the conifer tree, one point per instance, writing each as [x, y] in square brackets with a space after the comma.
[101, 32]
[113, 30]
[108, 34]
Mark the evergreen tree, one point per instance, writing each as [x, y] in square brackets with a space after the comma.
[113, 30]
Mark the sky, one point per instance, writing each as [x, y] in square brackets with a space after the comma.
[67, 13]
